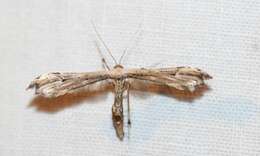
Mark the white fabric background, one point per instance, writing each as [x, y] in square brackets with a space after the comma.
[221, 37]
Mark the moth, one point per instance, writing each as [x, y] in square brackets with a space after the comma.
[54, 84]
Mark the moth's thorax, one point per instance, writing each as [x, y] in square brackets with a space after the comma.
[119, 86]
[117, 72]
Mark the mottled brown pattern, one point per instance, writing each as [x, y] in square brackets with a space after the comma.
[56, 84]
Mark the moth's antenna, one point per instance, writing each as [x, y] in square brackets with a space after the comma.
[100, 38]
[137, 32]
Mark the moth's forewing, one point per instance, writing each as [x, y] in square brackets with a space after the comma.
[57, 84]
[181, 78]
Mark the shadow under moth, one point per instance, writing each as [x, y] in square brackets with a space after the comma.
[52, 85]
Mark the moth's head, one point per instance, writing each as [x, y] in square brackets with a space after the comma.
[118, 66]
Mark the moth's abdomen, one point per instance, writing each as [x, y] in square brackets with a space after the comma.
[117, 109]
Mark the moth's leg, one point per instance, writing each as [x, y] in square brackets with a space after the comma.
[128, 108]
[104, 62]
[128, 105]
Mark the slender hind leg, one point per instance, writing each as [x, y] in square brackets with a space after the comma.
[128, 106]
[128, 109]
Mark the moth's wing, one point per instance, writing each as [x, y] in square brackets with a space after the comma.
[57, 84]
[181, 78]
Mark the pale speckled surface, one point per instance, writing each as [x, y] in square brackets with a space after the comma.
[221, 37]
